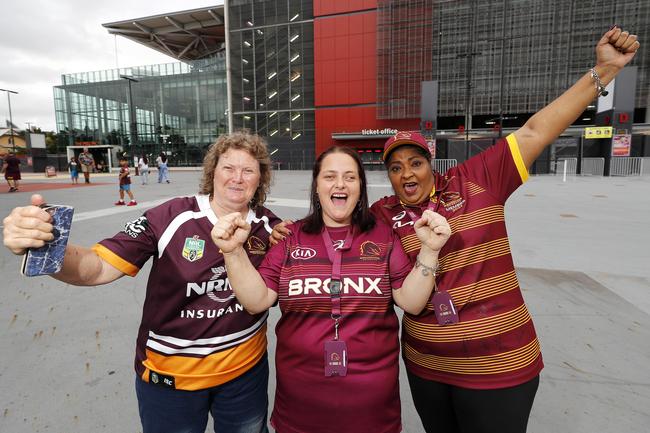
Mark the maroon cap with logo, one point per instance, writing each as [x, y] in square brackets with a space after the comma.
[403, 138]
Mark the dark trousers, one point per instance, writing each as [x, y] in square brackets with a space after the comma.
[238, 406]
[450, 409]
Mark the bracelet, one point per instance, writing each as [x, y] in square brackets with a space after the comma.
[426, 269]
[600, 89]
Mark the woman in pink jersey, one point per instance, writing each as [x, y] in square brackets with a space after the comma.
[480, 375]
[336, 280]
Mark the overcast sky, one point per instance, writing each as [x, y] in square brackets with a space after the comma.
[41, 40]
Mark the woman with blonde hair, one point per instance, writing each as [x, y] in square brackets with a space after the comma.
[198, 351]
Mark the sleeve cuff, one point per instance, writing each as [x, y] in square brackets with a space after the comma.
[516, 157]
[115, 260]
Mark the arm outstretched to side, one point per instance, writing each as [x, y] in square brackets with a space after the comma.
[614, 50]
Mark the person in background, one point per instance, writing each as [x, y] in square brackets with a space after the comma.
[11, 169]
[136, 165]
[125, 183]
[143, 165]
[87, 162]
[198, 351]
[73, 168]
[336, 279]
[163, 170]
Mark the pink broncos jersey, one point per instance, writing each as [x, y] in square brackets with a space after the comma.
[367, 398]
[194, 334]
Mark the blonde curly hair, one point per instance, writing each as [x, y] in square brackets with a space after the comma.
[241, 140]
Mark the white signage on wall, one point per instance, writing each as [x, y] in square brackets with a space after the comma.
[385, 131]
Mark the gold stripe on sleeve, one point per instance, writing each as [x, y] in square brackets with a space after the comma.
[516, 156]
[115, 260]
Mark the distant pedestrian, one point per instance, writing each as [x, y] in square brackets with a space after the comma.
[73, 168]
[125, 183]
[87, 162]
[163, 170]
[143, 166]
[136, 160]
[11, 169]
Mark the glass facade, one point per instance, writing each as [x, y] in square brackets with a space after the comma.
[179, 108]
[513, 56]
[272, 67]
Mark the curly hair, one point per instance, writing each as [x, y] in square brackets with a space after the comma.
[241, 140]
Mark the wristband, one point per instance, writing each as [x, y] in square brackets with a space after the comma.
[426, 269]
[600, 89]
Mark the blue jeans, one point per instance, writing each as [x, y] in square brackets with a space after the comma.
[163, 173]
[238, 406]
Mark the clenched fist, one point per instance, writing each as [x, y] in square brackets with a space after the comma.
[230, 232]
[433, 230]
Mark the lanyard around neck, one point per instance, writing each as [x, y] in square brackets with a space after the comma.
[335, 255]
[431, 206]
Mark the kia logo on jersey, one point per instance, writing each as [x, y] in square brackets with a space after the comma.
[303, 253]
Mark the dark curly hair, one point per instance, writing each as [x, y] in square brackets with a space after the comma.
[241, 140]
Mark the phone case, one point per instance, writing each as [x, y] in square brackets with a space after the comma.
[49, 258]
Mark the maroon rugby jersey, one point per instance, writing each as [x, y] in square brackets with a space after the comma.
[125, 180]
[494, 345]
[367, 399]
[194, 334]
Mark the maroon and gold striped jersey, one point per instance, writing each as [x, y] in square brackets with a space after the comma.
[194, 334]
[494, 345]
[367, 399]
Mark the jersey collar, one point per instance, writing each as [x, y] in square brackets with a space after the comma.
[203, 200]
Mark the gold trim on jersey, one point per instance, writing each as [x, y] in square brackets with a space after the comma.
[478, 218]
[477, 365]
[482, 289]
[116, 261]
[468, 330]
[474, 189]
[474, 254]
[516, 156]
[193, 373]
[410, 243]
[481, 217]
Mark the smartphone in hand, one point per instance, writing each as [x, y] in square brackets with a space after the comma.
[48, 259]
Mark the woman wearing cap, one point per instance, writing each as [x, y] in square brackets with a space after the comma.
[477, 368]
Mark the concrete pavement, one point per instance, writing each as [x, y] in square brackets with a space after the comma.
[581, 249]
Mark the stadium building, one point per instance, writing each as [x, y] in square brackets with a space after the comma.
[308, 74]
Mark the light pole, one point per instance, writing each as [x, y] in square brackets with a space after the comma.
[11, 120]
[468, 76]
[133, 125]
